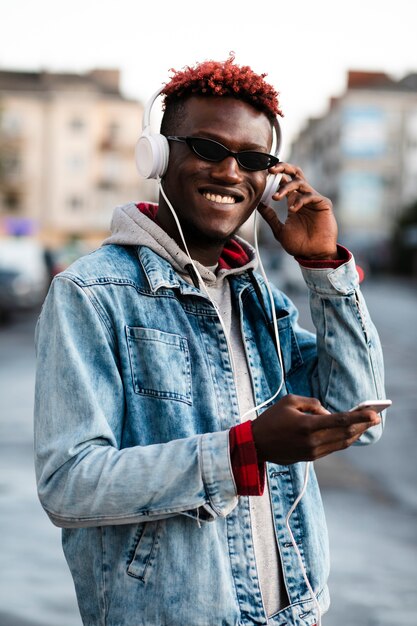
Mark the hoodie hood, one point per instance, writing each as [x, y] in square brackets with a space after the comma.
[136, 225]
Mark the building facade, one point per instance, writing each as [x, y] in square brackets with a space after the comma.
[66, 153]
[362, 153]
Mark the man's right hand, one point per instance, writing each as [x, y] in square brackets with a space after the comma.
[297, 428]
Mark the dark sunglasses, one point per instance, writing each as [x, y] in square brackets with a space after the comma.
[211, 150]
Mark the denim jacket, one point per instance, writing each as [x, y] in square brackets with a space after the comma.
[134, 398]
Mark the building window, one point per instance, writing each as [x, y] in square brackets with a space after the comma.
[11, 123]
[77, 124]
[12, 200]
[11, 164]
[111, 137]
[75, 203]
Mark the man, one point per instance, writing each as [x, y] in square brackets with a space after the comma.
[173, 499]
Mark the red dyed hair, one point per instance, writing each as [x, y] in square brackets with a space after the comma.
[223, 78]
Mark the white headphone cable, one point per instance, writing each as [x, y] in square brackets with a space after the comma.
[275, 323]
[307, 467]
[259, 406]
[295, 545]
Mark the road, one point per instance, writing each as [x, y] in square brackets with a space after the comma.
[370, 493]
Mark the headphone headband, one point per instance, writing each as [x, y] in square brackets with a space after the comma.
[146, 119]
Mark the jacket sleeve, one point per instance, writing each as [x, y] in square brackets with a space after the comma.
[83, 478]
[349, 368]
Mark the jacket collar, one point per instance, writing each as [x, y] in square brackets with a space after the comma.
[160, 274]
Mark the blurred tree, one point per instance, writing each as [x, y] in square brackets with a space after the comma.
[405, 241]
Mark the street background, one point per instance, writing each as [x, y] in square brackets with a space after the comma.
[370, 493]
[73, 79]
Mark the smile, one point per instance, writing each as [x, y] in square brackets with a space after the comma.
[219, 198]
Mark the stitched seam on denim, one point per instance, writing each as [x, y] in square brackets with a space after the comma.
[103, 573]
[152, 555]
[360, 315]
[162, 292]
[94, 303]
[137, 515]
[211, 496]
[177, 342]
[101, 313]
[207, 353]
[118, 282]
[325, 393]
[200, 468]
[206, 488]
[371, 353]
[231, 469]
[149, 555]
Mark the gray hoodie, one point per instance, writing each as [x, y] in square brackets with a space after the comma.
[132, 227]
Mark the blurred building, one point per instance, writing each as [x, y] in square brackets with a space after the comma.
[363, 155]
[66, 152]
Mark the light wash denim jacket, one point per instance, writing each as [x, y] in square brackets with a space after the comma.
[134, 399]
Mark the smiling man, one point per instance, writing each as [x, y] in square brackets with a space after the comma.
[175, 417]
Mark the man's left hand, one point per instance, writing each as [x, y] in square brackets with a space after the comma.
[310, 230]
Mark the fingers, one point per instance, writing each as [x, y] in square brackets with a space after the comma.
[296, 189]
[308, 199]
[292, 171]
[312, 406]
[345, 420]
[304, 404]
[299, 428]
[338, 431]
[329, 432]
[299, 193]
[339, 441]
[295, 184]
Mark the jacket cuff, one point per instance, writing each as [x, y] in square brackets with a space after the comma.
[248, 473]
[217, 473]
[343, 256]
[327, 281]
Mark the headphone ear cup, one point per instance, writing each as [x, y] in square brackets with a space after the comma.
[272, 184]
[152, 154]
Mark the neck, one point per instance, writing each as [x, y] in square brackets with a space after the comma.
[205, 251]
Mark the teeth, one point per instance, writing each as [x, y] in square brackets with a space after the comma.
[216, 197]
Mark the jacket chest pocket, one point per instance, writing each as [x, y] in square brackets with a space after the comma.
[160, 364]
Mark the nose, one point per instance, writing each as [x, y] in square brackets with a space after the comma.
[227, 170]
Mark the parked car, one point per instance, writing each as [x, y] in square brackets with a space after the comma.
[24, 276]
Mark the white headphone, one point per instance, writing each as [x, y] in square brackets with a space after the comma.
[152, 152]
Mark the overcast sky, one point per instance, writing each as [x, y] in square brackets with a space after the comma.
[305, 46]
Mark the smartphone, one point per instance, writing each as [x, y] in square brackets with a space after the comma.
[374, 405]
